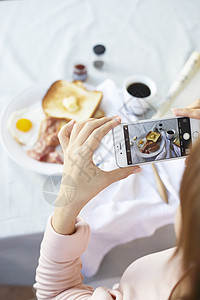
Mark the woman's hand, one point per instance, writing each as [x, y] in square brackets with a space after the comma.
[191, 111]
[82, 179]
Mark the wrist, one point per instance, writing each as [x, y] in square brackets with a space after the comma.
[64, 220]
[69, 199]
[62, 223]
[65, 214]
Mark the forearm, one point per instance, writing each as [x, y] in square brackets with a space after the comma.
[60, 263]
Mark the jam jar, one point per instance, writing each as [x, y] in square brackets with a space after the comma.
[80, 72]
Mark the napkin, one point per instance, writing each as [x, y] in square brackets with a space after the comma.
[132, 207]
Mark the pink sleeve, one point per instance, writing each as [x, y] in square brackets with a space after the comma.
[58, 275]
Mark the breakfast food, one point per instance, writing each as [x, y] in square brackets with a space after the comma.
[45, 149]
[147, 145]
[99, 113]
[70, 100]
[150, 143]
[153, 148]
[37, 129]
[141, 142]
[153, 136]
[24, 125]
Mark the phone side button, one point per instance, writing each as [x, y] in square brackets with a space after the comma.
[195, 134]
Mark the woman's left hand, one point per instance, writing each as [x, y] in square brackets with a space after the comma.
[191, 111]
[82, 179]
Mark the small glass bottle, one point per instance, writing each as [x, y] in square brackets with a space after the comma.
[80, 72]
[99, 51]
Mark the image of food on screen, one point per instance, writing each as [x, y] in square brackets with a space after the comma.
[155, 140]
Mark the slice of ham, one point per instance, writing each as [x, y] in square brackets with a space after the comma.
[45, 148]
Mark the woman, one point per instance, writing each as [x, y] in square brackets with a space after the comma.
[170, 274]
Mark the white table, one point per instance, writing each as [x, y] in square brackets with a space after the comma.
[39, 41]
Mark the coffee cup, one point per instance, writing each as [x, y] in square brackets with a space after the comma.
[138, 90]
[170, 134]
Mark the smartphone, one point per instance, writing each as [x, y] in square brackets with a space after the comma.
[150, 141]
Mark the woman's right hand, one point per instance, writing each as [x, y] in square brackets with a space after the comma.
[191, 111]
[82, 180]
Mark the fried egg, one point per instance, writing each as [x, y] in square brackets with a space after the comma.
[24, 125]
[141, 142]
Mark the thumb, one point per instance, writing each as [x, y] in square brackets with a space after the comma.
[122, 173]
[195, 104]
[64, 134]
[187, 112]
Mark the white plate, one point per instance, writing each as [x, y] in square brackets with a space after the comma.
[146, 155]
[31, 96]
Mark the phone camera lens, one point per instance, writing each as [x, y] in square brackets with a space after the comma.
[120, 152]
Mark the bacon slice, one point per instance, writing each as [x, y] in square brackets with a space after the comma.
[146, 146]
[54, 157]
[45, 148]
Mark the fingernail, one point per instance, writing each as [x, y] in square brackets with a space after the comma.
[117, 119]
[137, 170]
[70, 122]
[177, 110]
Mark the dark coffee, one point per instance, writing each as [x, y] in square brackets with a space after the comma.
[170, 132]
[139, 90]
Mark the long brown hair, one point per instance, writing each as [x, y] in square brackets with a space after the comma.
[189, 238]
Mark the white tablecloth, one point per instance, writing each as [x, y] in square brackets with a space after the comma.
[39, 42]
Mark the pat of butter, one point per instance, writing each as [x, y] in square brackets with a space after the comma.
[70, 103]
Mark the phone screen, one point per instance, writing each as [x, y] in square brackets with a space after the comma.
[157, 140]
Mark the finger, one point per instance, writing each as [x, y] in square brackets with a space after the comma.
[64, 134]
[90, 127]
[77, 128]
[122, 173]
[195, 104]
[193, 113]
[97, 135]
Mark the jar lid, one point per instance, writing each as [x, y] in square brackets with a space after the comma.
[99, 49]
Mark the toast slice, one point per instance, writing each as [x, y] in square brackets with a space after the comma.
[99, 113]
[153, 136]
[70, 100]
